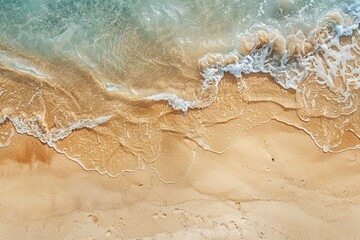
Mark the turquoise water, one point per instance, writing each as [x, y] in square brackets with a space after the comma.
[104, 32]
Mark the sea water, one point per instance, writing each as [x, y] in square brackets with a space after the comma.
[110, 72]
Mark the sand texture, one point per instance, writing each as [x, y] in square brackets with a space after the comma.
[272, 183]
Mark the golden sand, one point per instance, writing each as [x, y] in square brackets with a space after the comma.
[271, 183]
[243, 168]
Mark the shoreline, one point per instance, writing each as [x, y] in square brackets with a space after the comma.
[262, 186]
[119, 121]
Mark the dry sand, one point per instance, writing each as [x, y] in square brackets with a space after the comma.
[272, 183]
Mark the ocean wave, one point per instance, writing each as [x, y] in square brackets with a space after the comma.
[320, 57]
[308, 79]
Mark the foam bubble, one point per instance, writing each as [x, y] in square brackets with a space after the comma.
[318, 56]
[36, 126]
[174, 101]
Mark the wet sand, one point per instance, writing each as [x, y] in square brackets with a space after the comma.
[272, 183]
[243, 168]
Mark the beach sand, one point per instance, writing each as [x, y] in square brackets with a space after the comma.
[273, 182]
[144, 137]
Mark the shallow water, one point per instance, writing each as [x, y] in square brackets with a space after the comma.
[110, 83]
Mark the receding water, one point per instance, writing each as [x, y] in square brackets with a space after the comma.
[104, 74]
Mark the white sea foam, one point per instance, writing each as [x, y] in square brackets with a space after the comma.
[174, 101]
[289, 62]
[35, 126]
